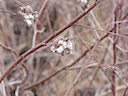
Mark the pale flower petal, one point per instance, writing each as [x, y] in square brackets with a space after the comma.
[29, 15]
[83, 1]
[62, 46]
[60, 50]
[29, 22]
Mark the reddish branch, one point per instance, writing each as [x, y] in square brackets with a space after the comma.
[44, 80]
[41, 13]
[16, 55]
[9, 49]
[84, 66]
[57, 72]
[116, 31]
[82, 69]
[48, 39]
[102, 38]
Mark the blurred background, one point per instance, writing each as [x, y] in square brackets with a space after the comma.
[16, 37]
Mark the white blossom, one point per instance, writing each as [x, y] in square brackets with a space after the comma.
[28, 14]
[29, 22]
[83, 1]
[62, 46]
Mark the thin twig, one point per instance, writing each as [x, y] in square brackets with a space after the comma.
[9, 12]
[57, 72]
[47, 40]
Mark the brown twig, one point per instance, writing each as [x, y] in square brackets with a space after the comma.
[19, 3]
[116, 31]
[57, 72]
[9, 12]
[84, 26]
[9, 49]
[48, 40]
[82, 69]
[15, 53]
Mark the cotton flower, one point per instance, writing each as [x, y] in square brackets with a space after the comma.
[62, 46]
[29, 22]
[28, 14]
[83, 1]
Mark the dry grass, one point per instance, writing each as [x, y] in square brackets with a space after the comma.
[98, 65]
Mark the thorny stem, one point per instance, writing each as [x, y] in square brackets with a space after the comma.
[23, 56]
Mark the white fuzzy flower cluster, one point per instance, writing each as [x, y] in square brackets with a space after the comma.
[62, 46]
[83, 1]
[29, 15]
